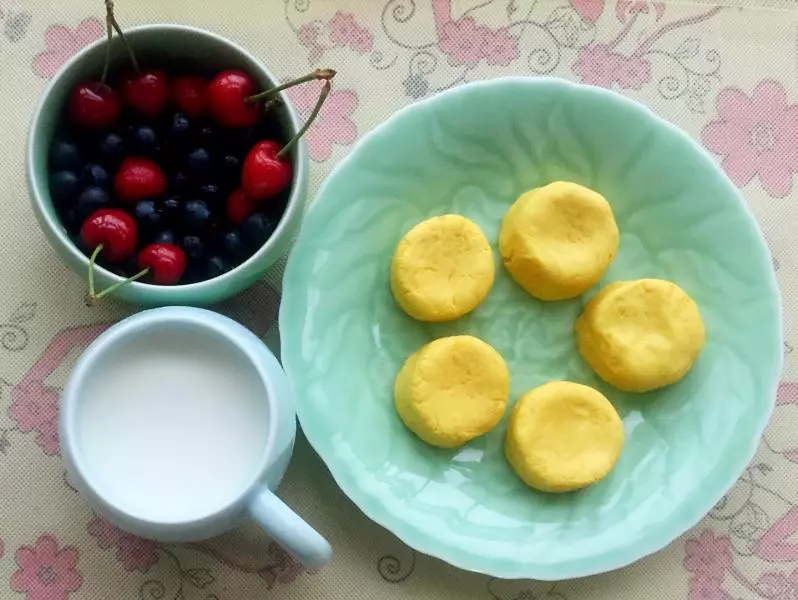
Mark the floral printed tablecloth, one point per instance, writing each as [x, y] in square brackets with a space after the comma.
[725, 72]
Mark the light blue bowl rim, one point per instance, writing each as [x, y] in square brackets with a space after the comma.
[423, 541]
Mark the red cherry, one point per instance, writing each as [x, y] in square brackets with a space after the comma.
[93, 105]
[264, 174]
[112, 228]
[138, 178]
[226, 99]
[146, 92]
[239, 207]
[188, 94]
[166, 262]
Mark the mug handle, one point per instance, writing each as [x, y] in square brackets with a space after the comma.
[289, 530]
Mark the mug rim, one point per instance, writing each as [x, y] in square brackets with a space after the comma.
[224, 329]
[50, 222]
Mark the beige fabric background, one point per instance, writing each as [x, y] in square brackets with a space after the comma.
[727, 74]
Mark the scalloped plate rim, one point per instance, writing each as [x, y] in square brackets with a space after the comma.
[370, 505]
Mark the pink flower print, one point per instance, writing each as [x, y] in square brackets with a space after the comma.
[36, 409]
[772, 585]
[500, 48]
[597, 65]
[361, 41]
[47, 438]
[334, 124]
[788, 393]
[632, 72]
[590, 10]
[137, 554]
[107, 534]
[633, 7]
[45, 572]
[344, 31]
[777, 543]
[283, 568]
[703, 587]
[308, 35]
[32, 408]
[776, 585]
[708, 555]
[62, 43]
[463, 41]
[341, 27]
[757, 136]
[34, 405]
[287, 568]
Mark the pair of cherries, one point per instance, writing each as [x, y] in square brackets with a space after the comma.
[113, 232]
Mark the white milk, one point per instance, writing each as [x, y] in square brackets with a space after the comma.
[172, 425]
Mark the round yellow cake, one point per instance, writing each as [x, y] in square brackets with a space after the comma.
[558, 240]
[442, 269]
[563, 436]
[452, 390]
[640, 335]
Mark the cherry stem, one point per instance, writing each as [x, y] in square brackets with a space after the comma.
[271, 103]
[111, 19]
[109, 32]
[92, 297]
[119, 284]
[325, 74]
[325, 91]
[92, 262]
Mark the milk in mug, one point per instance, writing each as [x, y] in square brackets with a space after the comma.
[172, 425]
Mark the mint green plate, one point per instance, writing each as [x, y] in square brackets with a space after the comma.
[472, 151]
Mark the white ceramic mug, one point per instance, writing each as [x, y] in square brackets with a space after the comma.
[176, 458]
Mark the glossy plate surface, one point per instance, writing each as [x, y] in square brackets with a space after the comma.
[472, 151]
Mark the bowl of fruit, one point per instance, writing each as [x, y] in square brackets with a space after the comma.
[166, 166]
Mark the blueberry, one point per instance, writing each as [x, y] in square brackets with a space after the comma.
[196, 216]
[94, 174]
[230, 170]
[276, 206]
[171, 208]
[270, 129]
[257, 228]
[64, 187]
[148, 216]
[165, 237]
[207, 135]
[216, 266]
[195, 271]
[65, 156]
[233, 247]
[179, 129]
[112, 150]
[242, 140]
[178, 183]
[127, 267]
[199, 162]
[210, 193]
[145, 141]
[194, 248]
[73, 220]
[91, 199]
